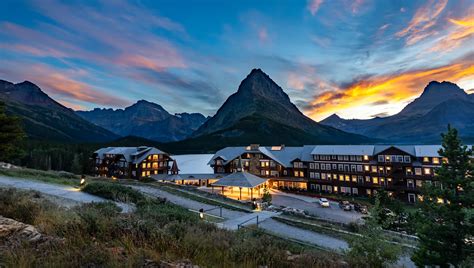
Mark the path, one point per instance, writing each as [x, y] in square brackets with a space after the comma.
[61, 191]
[234, 218]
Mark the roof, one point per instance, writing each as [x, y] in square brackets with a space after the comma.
[240, 179]
[343, 149]
[284, 155]
[131, 154]
[409, 149]
[194, 163]
[178, 177]
[427, 150]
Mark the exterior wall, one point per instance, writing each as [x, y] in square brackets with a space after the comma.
[255, 163]
[116, 166]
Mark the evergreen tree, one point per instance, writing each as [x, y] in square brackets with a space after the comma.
[371, 249]
[11, 135]
[447, 208]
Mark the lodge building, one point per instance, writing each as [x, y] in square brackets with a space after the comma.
[343, 169]
[130, 162]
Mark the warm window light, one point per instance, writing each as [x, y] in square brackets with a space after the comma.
[366, 157]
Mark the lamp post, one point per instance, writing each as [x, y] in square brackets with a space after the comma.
[201, 213]
[83, 180]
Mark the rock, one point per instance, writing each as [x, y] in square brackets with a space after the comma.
[13, 230]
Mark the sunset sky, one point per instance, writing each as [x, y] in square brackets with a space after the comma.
[358, 58]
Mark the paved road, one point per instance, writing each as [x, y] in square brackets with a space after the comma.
[188, 203]
[248, 219]
[235, 217]
[303, 235]
[61, 191]
[310, 204]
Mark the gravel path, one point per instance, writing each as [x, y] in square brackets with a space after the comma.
[60, 191]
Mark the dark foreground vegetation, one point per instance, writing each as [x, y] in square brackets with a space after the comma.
[157, 233]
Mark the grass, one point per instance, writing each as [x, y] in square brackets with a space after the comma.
[56, 177]
[113, 191]
[97, 235]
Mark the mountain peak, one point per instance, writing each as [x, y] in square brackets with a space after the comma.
[442, 88]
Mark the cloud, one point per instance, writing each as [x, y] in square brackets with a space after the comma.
[461, 30]
[394, 88]
[263, 35]
[313, 6]
[423, 23]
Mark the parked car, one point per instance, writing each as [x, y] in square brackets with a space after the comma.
[323, 202]
[361, 208]
[345, 205]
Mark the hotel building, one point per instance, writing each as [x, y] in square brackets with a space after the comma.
[343, 169]
[130, 162]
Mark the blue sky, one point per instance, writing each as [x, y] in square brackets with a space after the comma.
[358, 59]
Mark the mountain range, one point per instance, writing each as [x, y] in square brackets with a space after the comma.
[147, 120]
[45, 119]
[422, 120]
[258, 112]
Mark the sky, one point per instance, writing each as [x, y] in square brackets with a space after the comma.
[355, 58]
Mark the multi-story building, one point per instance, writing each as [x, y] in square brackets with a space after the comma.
[130, 162]
[343, 169]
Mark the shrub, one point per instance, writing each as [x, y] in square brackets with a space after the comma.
[113, 191]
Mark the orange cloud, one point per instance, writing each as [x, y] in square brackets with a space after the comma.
[394, 90]
[313, 6]
[463, 30]
[423, 22]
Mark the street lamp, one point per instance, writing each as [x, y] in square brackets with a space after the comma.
[201, 213]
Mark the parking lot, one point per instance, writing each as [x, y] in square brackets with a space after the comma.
[310, 204]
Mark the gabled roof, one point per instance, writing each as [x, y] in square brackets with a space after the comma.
[131, 154]
[409, 149]
[283, 155]
[343, 149]
[240, 179]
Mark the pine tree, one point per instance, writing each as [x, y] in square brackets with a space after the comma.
[448, 208]
[11, 135]
[371, 249]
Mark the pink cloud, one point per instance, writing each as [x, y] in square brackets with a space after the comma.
[313, 6]
[263, 35]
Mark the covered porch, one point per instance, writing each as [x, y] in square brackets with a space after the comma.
[240, 186]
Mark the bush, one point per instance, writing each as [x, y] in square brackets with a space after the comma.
[19, 205]
[113, 191]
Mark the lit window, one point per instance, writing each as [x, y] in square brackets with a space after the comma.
[375, 180]
[435, 160]
[335, 188]
[389, 179]
[387, 158]
[427, 171]
[366, 157]
[144, 165]
[341, 177]
[348, 178]
[374, 169]
[143, 174]
[426, 159]
[418, 171]
[366, 168]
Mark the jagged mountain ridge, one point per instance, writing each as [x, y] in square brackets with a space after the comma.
[45, 119]
[259, 99]
[147, 120]
[422, 120]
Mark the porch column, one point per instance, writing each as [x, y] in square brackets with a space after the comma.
[251, 193]
[240, 192]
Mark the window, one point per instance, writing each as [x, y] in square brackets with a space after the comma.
[407, 159]
[328, 166]
[353, 168]
[155, 157]
[374, 169]
[285, 172]
[264, 163]
[311, 175]
[144, 165]
[155, 165]
[367, 178]
[366, 157]
[316, 165]
[427, 171]
[418, 171]
[411, 198]
[419, 183]
[435, 160]
[359, 168]
[335, 189]
[340, 167]
[410, 184]
[346, 168]
[352, 157]
[323, 176]
[143, 174]
[382, 158]
[316, 157]
[346, 158]
[375, 180]
[316, 175]
[347, 177]
[359, 158]
[381, 170]
[400, 158]
[360, 179]
[341, 177]
[355, 191]
[426, 159]
[354, 178]
[311, 165]
[367, 168]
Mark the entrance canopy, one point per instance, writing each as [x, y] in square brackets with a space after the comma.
[240, 179]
